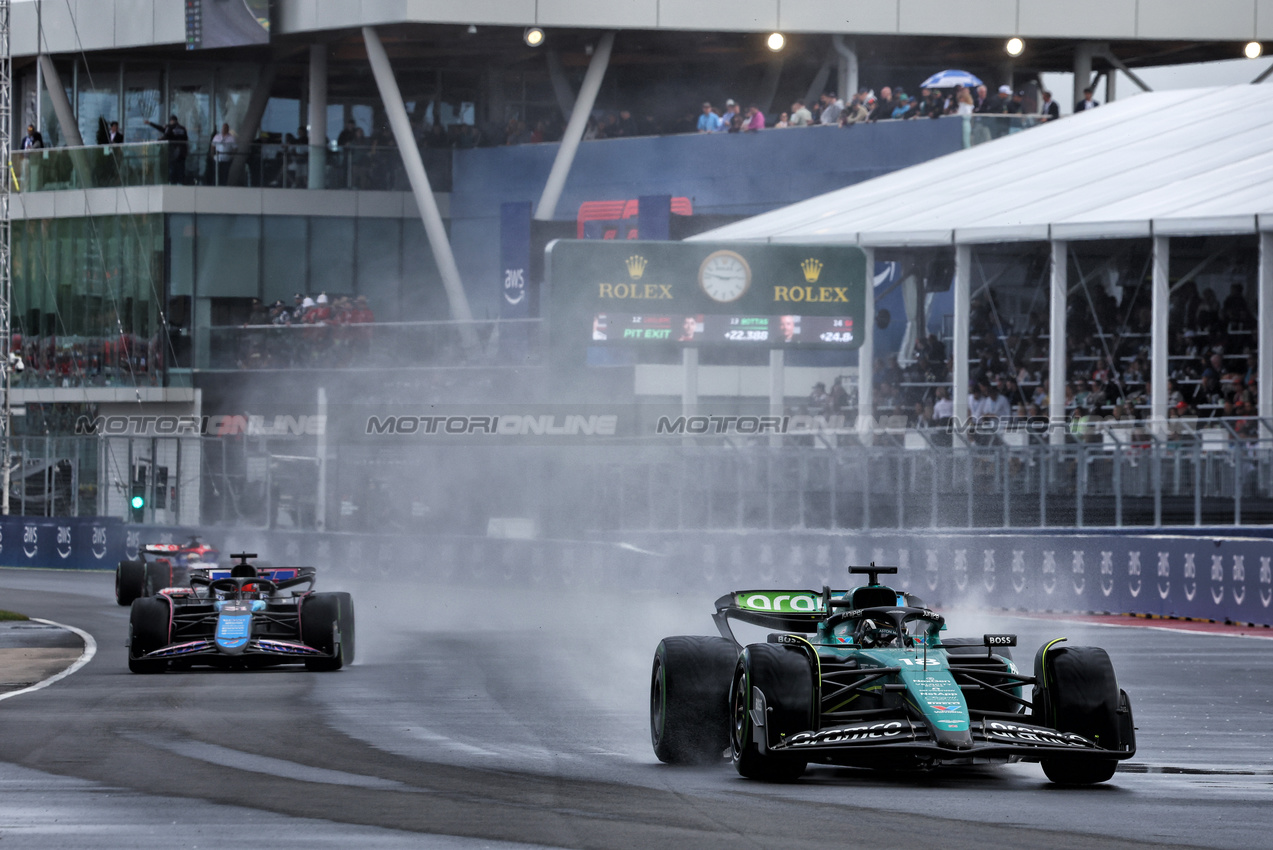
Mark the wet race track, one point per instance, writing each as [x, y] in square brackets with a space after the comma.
[481, 719]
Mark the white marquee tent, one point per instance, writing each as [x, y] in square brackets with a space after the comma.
[1180, 163]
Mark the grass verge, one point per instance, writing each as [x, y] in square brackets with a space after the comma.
[10, 615]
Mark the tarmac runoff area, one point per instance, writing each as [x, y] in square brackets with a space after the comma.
[33, 652]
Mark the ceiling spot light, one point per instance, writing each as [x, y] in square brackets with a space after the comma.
[1253, 50]
[776, 41]
[1015, 46]
[533, 36]
[472, 29]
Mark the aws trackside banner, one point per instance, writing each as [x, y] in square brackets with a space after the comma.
[1228, 578]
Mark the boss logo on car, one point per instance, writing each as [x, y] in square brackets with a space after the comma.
[1000, 640]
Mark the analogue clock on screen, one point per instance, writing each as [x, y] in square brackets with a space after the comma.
[724, 276]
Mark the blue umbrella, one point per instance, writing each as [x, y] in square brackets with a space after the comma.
[950, 79]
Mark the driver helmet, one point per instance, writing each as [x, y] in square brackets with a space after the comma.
[193, 557]
[871, 635]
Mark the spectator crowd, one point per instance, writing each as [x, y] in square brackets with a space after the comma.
[1213, 374]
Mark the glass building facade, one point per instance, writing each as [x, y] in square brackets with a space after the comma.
[125, 300]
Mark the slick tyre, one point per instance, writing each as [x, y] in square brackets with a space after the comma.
[323, 617]
[689, 699]
[156, 577]
[1078, 692]
[130, 579]
[779, 683]
[149, 624]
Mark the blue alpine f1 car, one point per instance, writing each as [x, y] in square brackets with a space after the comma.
[864, 678]
[241, 617]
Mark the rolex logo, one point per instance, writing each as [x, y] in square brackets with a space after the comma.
[636, 266]
[812, 269]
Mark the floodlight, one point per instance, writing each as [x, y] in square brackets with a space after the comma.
[1015, 46]
[533, 36]
[1253, 50]
[776, 41]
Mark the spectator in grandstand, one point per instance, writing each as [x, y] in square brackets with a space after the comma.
[755, 119]
[931, 104]
[347, 135]
[980, 98]
[178, 148]
[904, 108]
[819, 401]
[32, 140]
[1236, 312]
[963, 102]
[1049, 109]
[884, 105]
[997, 404]
[839, 396]
[1000, 104]
[737, 123]
[1087, 102]
[855, 111]
[783, 122]
[113, 136]
[626, 125]
[258, 315]
[224, 146]
[800, 116]
[279, 314]
[727, 117]
[943, 407]
[832, 106]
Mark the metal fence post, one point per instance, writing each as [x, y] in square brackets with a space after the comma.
[1118, 483]
[1080, 483]
[1197, 480]
[1156, 455]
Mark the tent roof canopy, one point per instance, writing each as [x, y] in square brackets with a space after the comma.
[1178, 163]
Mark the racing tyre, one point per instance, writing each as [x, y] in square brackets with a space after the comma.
[130, 579]
[157, 576]
[784, 679]
[1076, 691]
[689, 699]
[148, 625]
[323, 615]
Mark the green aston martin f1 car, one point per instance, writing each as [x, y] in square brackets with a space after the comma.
[864, 678]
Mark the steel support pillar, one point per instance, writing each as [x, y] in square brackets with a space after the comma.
[866, 356]
[427, 204]
[547, 207]
[251, 126]
[1158, 335]
[61, 105]
[561, 85]
[317, 115]
[963, 316]
[1082, 68]
[847, 81]
[1056, 343]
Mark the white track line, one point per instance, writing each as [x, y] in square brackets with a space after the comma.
[90, 649]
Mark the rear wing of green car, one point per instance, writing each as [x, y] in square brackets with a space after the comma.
[782, 610]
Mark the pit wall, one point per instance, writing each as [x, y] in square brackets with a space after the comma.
[1210, 574]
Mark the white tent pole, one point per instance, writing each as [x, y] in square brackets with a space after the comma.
[1158, 335]
[963, 318]
[1056, 343]
[1264, 343]
[866, 355]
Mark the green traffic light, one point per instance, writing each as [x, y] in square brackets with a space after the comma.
[138, 503]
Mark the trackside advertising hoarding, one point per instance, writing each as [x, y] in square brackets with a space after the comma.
[643, 294]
